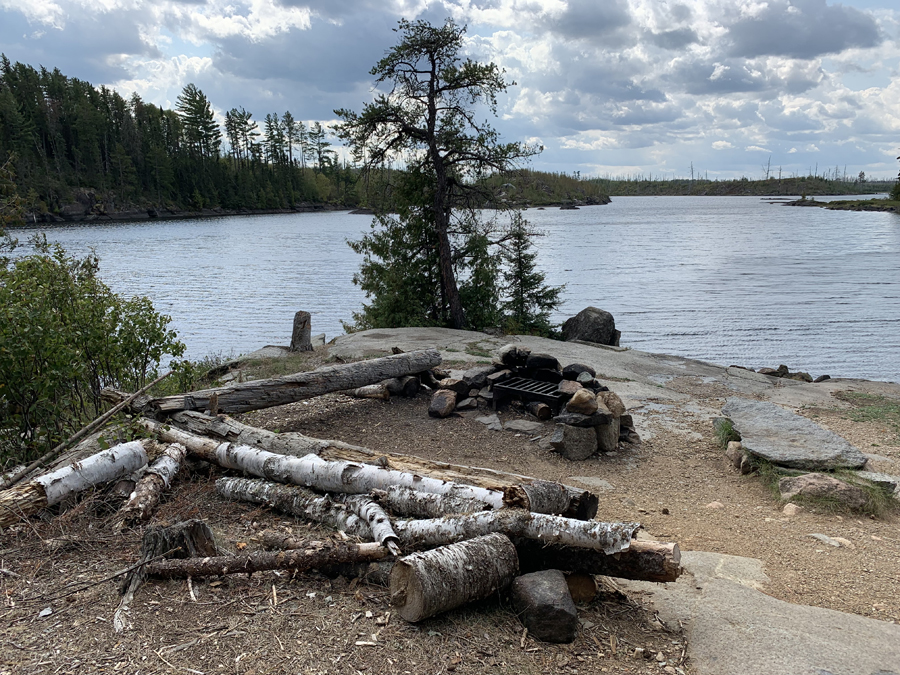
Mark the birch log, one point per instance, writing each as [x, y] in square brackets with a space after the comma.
[531, 493]
[143, 501]
[642, 561]
[414, 504]
[382, 532]
[606, 537]
[51, 488]
[313, 556]
[259, 394]
[425, 584]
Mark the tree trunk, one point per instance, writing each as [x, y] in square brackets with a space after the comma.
[425, 584]
[290, 388]
[300, 337]
[414, 504]
[148, 491]
[51, 488]
[642, 561]
[314, 556]
[606, 537]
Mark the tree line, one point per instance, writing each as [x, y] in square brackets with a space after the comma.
[66, 136]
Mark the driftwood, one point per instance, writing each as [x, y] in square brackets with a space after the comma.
[148, 491]
[543, 497]
[606, 537]
[104, 467]
[425, 584]
[313, 556]
[259, 394]
[90, 428]
[642, 561]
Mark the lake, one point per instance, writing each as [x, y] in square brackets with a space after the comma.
[731, 280]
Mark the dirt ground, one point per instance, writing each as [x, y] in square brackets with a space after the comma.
[57, 601]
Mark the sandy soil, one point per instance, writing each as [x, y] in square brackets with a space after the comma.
[271, 623]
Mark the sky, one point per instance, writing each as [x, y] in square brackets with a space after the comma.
[723, 88]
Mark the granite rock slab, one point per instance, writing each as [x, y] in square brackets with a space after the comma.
[774, 434]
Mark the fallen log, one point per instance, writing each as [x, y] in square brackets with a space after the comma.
[258, 394]
[642, 561]
[531, 493]
[379, 523]
[143, 501]
[428, 583]
[415, 504]
[606, 537]
[51, 488]
[313, 556]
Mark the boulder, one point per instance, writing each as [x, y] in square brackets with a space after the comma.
[536, 361]
[568, 387]
[585, 379]
[592, 325]
[442, 403]
[477, 377]
[579, 420]
[544, 605]
[461, 387]
[823, 487]
[574, 443]
[608, 436]
[546, 375]
[514, 355]
[779, 436]
[583, 402]
[612, 401]
[573, 370]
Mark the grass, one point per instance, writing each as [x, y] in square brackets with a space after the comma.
[873, 408]
[475, 349]
[725, 431]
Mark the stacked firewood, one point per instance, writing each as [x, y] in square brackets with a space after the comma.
[446, 534]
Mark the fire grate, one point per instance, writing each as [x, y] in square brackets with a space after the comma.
[529, 390]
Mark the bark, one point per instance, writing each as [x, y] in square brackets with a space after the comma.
[259, 394]
[414, 504]
[49, 489]
[143, 501]
[642, 561]
[581, 503]
[297, 501]
[314, 556]
[382, 532]
[607, 537]
[425, 584]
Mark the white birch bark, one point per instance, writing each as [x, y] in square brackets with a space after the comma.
[414, 504]
[379, 523]
[148, 491]
[428, 583]
[104, 467]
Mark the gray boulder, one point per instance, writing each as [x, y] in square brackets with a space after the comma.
[544, 605]
[477, 377]
[442, 403]
[608, 436]
[574, 443]
[592, 325]
[573, 370]
[781, 437]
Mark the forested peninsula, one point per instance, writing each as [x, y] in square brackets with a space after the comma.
[80, 152]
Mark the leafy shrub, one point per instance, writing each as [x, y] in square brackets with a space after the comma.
[64, 336]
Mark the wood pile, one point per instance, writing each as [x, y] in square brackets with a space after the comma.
[445, 534]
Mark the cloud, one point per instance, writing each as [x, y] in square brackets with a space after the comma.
[722, 145]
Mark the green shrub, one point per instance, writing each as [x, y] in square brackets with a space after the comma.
[64, 336]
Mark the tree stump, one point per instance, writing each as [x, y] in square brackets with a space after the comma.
[301, 340]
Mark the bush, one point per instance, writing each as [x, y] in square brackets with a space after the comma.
[64, 336]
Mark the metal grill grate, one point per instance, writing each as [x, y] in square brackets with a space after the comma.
[528, 390]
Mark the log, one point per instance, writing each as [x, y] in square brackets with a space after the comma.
[407, 386]
[540, 410]
[376, 391]
[300, 336]
[258, 394]
[642, 561]
[378, 521]
[414, 504]
[417, 534]
[581, 503]
[51, 488]
[426, 584]
[143, 501]
[314, 556]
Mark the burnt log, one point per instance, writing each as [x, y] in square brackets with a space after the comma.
[641, 561]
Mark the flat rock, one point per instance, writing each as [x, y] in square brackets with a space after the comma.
[825, 539]
[492, 422]
[579, 420]
[544, 605]
[776, 435]
[524, 426]
[884, 481]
